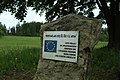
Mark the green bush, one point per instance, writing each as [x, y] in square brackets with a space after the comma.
[1, 33]
[104, 38]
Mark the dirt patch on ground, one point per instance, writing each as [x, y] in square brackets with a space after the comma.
[19, 75]
[112, 76]
[28, 75]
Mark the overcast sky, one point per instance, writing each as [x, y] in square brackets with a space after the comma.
[9, 20]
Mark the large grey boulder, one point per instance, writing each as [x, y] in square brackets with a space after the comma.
[89, 35]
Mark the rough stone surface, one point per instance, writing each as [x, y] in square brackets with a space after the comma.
[89, 35]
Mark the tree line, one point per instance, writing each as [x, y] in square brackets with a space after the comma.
[32, 29]
[26, 29]
[3, 30]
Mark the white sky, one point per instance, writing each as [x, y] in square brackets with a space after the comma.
[9, 20]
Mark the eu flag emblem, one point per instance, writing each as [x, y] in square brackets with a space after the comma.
[50, 46]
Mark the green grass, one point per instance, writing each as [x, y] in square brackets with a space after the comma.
[21, 54]
[105, 63]
[18, 54]
[13, 41]
[18, 59]
[101, 44]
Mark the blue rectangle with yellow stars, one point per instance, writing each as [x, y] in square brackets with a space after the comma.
[50, 46]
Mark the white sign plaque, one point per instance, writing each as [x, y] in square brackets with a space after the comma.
[60, 45]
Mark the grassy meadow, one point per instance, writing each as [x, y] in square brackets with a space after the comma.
[12, 41]
[19, 58]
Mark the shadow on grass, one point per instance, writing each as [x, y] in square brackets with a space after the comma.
[105, 64]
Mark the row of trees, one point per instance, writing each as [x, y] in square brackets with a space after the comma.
[26, 29]
[3, 30]
[32, 29]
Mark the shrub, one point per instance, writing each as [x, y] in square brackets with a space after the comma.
[1, 33]
[104, 37]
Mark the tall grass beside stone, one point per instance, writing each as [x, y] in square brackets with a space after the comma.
[17, 55]
[18, 59]
[105, 64]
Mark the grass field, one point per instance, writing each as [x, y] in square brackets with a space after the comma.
[12, 41]
[19, 58]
